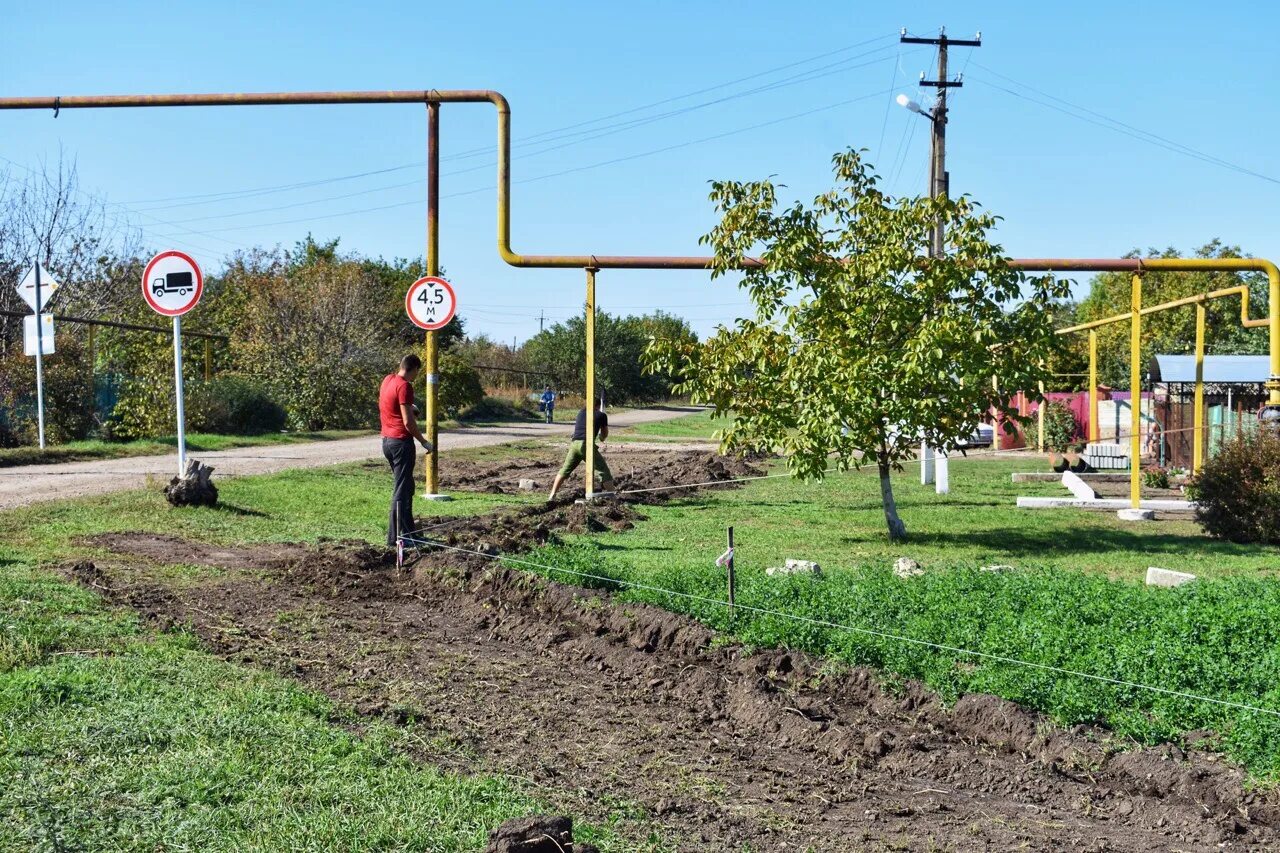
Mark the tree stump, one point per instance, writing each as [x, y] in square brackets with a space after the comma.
[536, 835]
[193, 488]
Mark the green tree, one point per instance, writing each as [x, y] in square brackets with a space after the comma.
[621, 343]
[862, 345]
[1171, 331]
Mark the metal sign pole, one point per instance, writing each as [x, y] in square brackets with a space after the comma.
[39, 361]
[177, 385]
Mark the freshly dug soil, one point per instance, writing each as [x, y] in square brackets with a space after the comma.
[632, 468]
[599, 701]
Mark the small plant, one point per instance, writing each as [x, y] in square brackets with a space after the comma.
[1155, 477]
[1238, 493]
[1060, 428]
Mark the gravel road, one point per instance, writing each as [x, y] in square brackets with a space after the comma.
[27, 484]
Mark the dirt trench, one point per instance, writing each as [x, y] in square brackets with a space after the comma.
[599, 701]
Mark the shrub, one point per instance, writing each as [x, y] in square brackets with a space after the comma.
[1060, 428]
[68, 396]
[233, 405]
[1238, 493]
[460, 387]
[1155, 477]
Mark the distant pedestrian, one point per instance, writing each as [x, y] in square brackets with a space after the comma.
[578, 452]
[398, 416]
[548, 402]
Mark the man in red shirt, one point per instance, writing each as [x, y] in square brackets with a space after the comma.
[399, 429]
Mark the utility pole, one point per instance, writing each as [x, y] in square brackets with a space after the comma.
[541, 316]
[939, 180]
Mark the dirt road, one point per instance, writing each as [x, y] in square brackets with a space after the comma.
[29, 484]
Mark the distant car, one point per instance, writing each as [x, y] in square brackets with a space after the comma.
[983, 436]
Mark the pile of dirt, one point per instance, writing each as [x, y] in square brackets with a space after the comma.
[597, 701]
[633, 469]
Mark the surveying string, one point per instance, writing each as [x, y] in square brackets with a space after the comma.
[764, 611]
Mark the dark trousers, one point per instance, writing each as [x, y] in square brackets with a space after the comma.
[401, 454]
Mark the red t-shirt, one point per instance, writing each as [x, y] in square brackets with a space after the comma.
[395, 391]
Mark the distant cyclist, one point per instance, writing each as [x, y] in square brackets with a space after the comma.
[548, 401]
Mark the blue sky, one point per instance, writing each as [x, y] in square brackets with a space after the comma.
[1065, 185]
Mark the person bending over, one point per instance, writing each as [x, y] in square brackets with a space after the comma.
[578, 452]
[399, 420]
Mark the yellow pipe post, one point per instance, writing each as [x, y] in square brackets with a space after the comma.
[208, 361]
[431, 464]
[591, 383]
[1040, 421]
[1197, 431]
[93, 364]
[1093, 385]
[1135, 391]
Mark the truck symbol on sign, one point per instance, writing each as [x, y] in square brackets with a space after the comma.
[175, 282]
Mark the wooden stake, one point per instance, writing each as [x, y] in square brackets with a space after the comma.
[729, 569]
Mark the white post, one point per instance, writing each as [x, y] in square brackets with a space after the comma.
[926, 463]
[39, 361]
[177, 385]
[943, 480]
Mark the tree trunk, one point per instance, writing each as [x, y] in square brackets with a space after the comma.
[897, 530]
[194, 488]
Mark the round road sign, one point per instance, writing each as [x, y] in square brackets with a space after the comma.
[172, 283]
[431, 303]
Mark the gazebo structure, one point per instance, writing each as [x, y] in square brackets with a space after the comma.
[1233, 394]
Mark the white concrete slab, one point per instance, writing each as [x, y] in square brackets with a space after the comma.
[1162, 504]
[1167, 577]
[1078, 488]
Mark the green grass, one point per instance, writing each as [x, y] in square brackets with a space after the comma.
[1075, 601]
[695, 426]
[113, 737]
[79, 451]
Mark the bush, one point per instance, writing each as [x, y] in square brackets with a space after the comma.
[460, 387]
[233, 405]
[68, 396]
[1155, 477]
[1238, 493]
[1060, 428]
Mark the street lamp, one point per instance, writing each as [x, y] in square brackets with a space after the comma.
[904, 101]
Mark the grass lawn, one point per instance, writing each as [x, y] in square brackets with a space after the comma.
[113, 737]
[77, 451]
[695, 426]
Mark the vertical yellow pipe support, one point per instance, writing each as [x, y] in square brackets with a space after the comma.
[1197, 429]
[1093, 385]
[1273, 334]
[1135, 391]
[1040, 421]
[208, 361]
[591, 383]
[431, 463]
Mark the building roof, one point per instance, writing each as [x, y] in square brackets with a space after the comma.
[1218, 369]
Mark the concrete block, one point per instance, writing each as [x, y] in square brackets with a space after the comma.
[527, 485]
[1136, 514]
[795, 567]
[1167, 577]
[905, 567]
[1078, 487]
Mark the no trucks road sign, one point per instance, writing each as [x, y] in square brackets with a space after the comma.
[431, 303]
[172, 283]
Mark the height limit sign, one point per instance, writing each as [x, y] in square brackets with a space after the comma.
[431, 303]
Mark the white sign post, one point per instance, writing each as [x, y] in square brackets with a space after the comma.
[36, 287]
[172, 284]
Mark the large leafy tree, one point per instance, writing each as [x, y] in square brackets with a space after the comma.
[1172, 331]
[861, 344]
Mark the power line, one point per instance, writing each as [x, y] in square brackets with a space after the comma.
[533, 138]
[1116, 126]
[572, 170]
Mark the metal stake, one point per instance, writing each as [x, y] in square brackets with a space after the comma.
[177, 386]
[39, 361]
